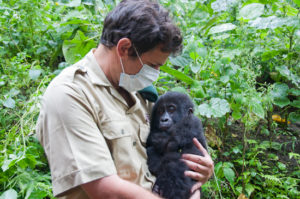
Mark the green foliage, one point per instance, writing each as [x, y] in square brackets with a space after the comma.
[240, 64]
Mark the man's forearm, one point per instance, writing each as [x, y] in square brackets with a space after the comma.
[113, 187]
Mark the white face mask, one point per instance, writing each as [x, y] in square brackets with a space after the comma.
[144, 78]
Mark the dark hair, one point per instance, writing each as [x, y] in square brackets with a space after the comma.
[146, 23]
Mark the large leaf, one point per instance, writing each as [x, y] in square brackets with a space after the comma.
[252, 11]
[285, 72]
[216, 107]
[76, 48]
[222, 28]
[9, 103]
[229, 174]
[258, 110]
[34, 73]
[70, 3]
[273, 22]
[281, 101]
[177, 74]
[280, 90]
[181, 60]
[223, 5]
[297, 2]
[294, 117]
[296, 103]
[9, 194]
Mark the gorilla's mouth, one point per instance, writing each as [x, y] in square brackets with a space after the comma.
[164, 127]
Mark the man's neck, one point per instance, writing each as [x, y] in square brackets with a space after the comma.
[109, 62]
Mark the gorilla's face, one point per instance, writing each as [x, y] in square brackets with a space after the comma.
[170, 109]
[168, 115]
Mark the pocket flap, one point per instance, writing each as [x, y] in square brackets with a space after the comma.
[116, 129]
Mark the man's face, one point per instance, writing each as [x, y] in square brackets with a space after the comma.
[154, 58]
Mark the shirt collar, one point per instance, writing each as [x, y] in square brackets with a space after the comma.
[94, 71]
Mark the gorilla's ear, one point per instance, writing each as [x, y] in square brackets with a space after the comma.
[191, 111]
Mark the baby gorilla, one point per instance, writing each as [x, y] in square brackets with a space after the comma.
[172, 129]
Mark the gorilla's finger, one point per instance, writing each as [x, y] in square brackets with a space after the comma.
[200, 147]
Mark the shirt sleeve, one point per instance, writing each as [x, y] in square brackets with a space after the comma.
[76, 149]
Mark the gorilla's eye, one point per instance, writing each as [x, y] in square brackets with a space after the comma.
[160, 110]
[171, 108]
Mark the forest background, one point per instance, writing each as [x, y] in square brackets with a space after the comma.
[240, 65]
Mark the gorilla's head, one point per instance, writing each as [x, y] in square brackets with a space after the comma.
[169, 109]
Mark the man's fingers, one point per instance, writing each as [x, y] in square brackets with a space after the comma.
[197, 159]
[196, 176]
[196, 186]
[199, 146]
[196, 195]
[197, 167]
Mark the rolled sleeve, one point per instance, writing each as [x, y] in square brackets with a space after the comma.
[76, 149]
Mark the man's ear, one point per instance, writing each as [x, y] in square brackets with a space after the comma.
[123, 47]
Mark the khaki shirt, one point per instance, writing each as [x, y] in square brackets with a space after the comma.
[89, 132]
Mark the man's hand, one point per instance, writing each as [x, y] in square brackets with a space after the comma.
[202, 167]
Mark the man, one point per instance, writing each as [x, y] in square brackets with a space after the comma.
[93, 124]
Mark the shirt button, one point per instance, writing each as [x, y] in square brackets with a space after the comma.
[147, 174]
[134, 143]
[122, 131]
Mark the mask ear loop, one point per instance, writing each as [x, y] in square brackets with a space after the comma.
[137, 55]
[122, 65]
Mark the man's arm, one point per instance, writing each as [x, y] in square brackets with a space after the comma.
[113, 187]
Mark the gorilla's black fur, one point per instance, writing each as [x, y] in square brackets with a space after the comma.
[172, 129]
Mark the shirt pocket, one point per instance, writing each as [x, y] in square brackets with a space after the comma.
[119, 136]
[114, 129]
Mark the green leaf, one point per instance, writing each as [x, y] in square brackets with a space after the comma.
[295, 92]
[297, 2]
[9, 103]
[70, 3]
[76, 48]
[236, 115]
[281, 166]
[9, 194]
[252, 11]
[294, 117]
[281, 101]
[296, 103]
[177, 74]
[258, 110]
[249, 189]
[216, 107]
[218, 168]
[34, 74]
[279, 90]
[179, 89]
[222, 5]
[229, 174]
[181, 60]
[285, 72]
[195, 67]
[222, 28]
[225, 79]
[273, 22]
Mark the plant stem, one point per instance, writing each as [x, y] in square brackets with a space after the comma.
[243, 168]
